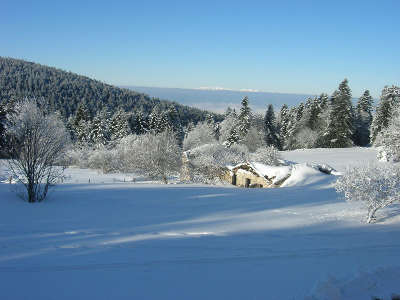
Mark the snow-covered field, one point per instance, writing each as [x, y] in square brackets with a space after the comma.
[117, 239]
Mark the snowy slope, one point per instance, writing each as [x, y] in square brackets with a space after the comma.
[339, 159]
[125, 240]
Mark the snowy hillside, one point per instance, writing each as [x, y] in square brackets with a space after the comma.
[117, 239]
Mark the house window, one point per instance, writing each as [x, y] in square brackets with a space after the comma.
[247, 182]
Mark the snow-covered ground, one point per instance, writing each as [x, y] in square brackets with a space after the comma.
[339, 159]
[110, 239]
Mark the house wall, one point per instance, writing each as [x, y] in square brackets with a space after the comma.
[242, 175]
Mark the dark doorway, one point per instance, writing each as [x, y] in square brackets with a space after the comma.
[247, 182]
[234, 179]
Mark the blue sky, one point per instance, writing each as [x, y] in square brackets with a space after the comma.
[276, 46]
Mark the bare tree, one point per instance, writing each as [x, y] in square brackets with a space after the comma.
[377, 186]
[38, 142]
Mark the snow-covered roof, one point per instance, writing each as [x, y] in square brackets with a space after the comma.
[289, 174]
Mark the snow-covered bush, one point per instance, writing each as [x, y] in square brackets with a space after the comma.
[226, 127]
[125, 155]
[103, 159]
[389, 140]
[209, 161]
[156, 154]
[377, 186]
[253, 140]
[201, 134]
[307, 138]
[266, 155]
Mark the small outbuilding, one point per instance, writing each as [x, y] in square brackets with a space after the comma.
[257, 175]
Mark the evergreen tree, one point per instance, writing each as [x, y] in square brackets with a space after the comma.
[100, 129]
[155, 119]
[270, 129]
[363, 119]
[213, 126]
[389, 99]
[233, 138]
[82, 133]
[290, 142]
[323, 101]
[6, 110]
[175, 123]
[82, 114]
[119, 127]
[140, 125]
[244, 120]
[299, 111]
[313, 114]
[163, 123]
[283, 124]
[80, 125]
[210, 120]
[339, 132]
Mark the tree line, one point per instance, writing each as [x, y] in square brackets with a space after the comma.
[320, 122]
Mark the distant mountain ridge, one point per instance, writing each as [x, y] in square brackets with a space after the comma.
[218, 99]
[64, 91]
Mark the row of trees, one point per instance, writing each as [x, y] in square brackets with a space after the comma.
[323, 121]
[319, 122]
[326, 122]
[105, 130]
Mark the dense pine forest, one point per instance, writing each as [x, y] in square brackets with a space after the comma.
[65, 91]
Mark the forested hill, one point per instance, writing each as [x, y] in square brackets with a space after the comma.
[65, 90]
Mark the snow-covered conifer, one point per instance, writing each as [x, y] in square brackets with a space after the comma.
[140, 125]
[119, 126]
[389, 139]
[233, 137]
[339, 131]
[80, 125]
[100, 129]
[270, 129]
[283, 124]
[363, 119]
[299, 111]
[244, 118]
[155, 119]
[389, 98]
